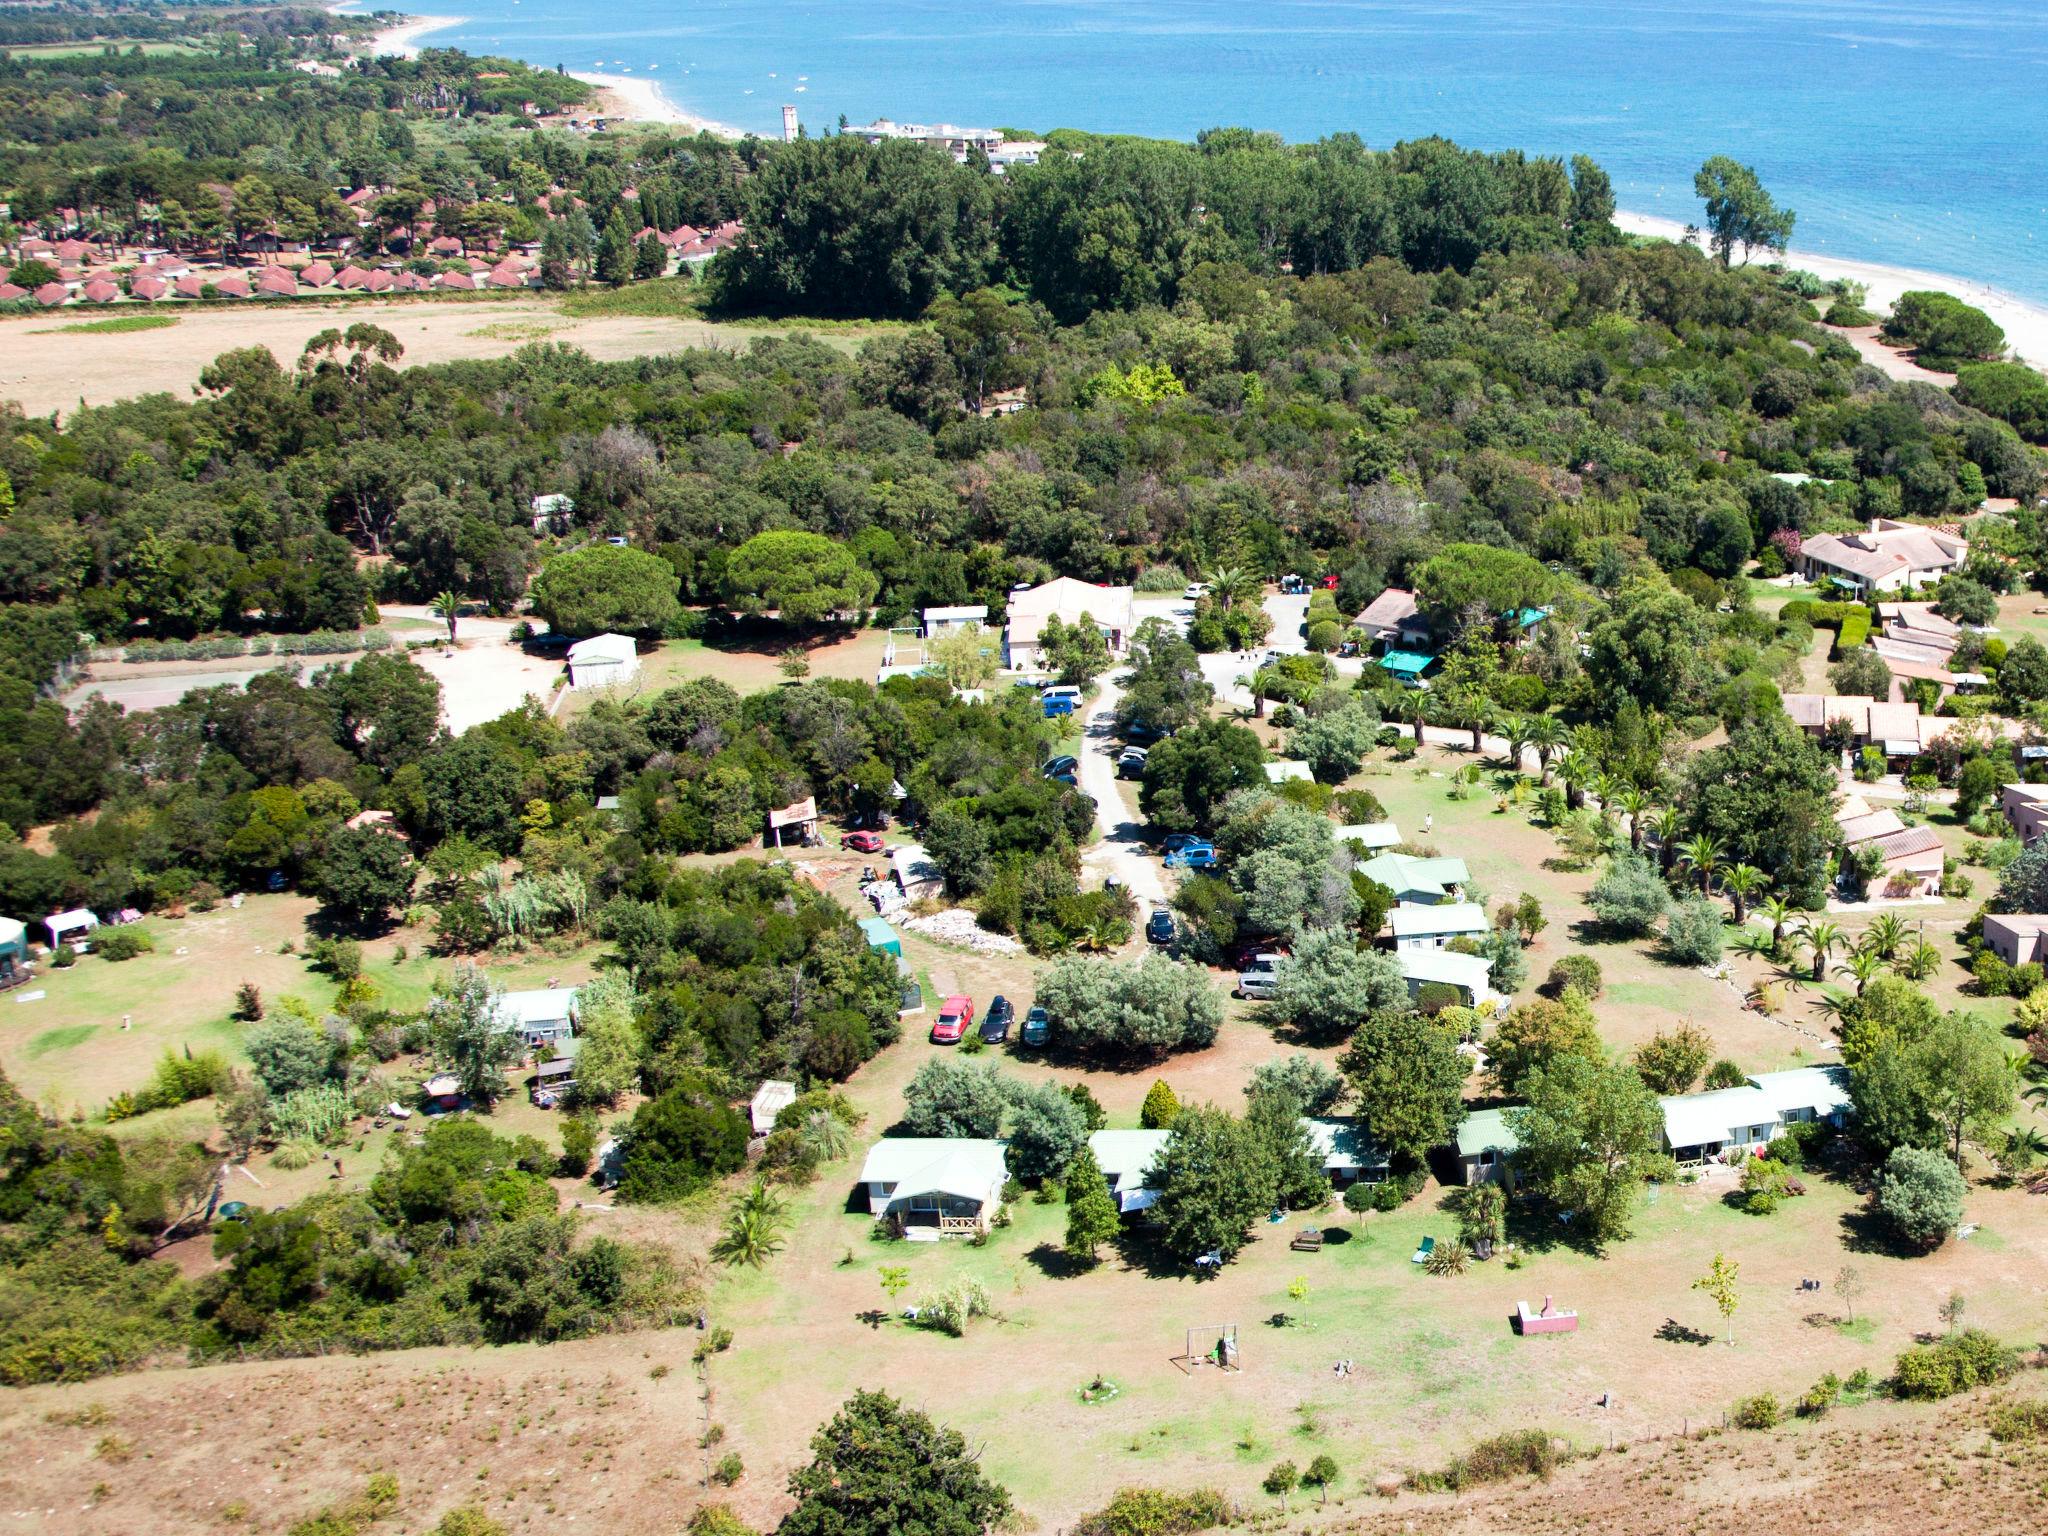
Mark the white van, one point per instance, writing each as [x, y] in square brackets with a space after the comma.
[1063, 691]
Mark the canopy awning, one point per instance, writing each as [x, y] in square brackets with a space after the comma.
[1407, 663]
[1844, 583]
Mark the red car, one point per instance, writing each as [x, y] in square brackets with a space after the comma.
[862, 842]
[955, 1014]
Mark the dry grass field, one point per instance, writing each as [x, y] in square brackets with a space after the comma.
[97, 367]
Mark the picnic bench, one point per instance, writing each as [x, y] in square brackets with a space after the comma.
[1308, 1240]
[1549, 1320]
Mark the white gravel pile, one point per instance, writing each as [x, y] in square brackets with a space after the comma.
[956, 925]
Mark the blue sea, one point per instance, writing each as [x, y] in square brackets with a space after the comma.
[1909, 133]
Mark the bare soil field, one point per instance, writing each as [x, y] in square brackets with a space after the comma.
[98, 368]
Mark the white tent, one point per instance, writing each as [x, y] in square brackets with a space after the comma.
[77, 920]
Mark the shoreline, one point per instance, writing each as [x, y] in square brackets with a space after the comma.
[402, 38]
[644, 101]
[2025, 324]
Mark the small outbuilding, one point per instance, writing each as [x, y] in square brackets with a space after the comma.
[797, 823]
[1126, 1159]
[70, 927]
[542, 1016]
[881, 936]
[13, 947]
[770, 1100]
[1486, 1145]
[603, 660]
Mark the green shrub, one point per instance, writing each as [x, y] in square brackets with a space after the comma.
[1581, 971]
[1960, 1363]
[729, 1469]
[2026, 1419]
[181, 1079]
[122, 944]
[1759, 1412]
[1820, 1397]
[63, 957]
[1518, 1453]
[1157, 1512]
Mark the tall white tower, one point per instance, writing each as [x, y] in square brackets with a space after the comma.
[788, 124]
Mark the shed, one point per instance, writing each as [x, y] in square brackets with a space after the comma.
[443, 1091]
[13, 945]
[942, 621]
[916, 875]
[795, 823]
[937, 1186]
[1486, 1143]
[603, 660]
[1287, 768]
[770, 1100]
[881, 936]
[553, 1079]
[64, 926]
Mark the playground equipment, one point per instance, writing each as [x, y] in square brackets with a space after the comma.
[1215, 1345]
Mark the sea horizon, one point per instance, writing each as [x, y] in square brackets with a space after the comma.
[1847, 110]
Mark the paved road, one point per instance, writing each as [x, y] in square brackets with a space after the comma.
[1121, 850]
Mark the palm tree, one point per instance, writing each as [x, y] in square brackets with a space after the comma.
[1632, 802]
[1862, 965]
[445, 606]
[1918, 962]
[1702, 855]
[1102, 933]
[1884, 936]
[1516, 729]
[1546, 735]
[2021, 1150]
[1577, 771]
[1230, 584]
[1479, 713]
[1666, 824]
[1741, 881]
[1821, 940]
[1778, 911]
[753, 1229]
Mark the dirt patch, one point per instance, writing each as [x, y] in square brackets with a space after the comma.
[100, 368]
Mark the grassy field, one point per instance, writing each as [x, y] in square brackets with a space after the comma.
[100, 1025]
[749, 667]
[114, 325]
[76, 50]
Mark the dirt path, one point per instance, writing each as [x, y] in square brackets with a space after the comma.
[1893, 362]
[85, 367]
[1121, 850]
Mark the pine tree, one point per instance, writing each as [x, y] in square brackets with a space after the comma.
[650, 258]
[1160, 1107]
[615, 251]
[1091, 1212]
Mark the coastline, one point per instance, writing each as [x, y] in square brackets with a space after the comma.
[2025, 324]
[402, 38]
[644, 101]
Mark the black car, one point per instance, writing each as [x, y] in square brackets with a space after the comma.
[995, 1024]
[1060, 765]
[1066, 778]
[1159, 926]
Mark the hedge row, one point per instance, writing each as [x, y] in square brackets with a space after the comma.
[1851, 621]
[321, 642]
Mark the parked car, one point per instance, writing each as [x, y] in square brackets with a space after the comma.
[1261, 978]
[1159, 926]
[1293, 586]
[862, 842]
[1060, 765]
[1130, 763]
[1175, 841]
[1195, 856]
[1056, 707]
[1067, 779]
[1196, 591]
[955, 1014]
[1137, 733]
[995, 1024]
[1062, 691]
[1037, 1028]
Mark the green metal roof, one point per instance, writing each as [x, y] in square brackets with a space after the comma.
[1409, 663]
[1485, 1130]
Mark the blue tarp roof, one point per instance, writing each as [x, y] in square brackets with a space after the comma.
[1410, 663]
[1524, 617]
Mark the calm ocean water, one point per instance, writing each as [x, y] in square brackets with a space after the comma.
[1912, 133]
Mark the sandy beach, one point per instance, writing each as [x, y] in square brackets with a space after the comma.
[401, 39]
[644, 101]
[2025, 324]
